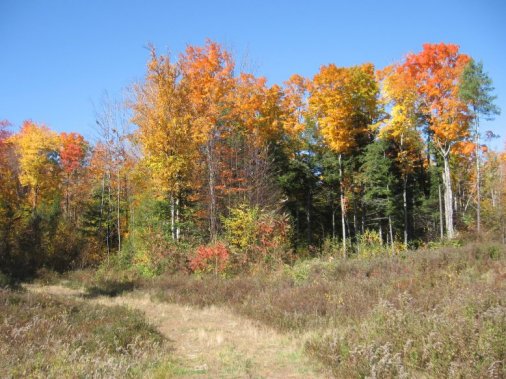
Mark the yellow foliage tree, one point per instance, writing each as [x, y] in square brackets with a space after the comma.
[399, 91]
[163, 114]
[37, 148]
[344, 102]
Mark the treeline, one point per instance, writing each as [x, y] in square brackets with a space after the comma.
[204, 168]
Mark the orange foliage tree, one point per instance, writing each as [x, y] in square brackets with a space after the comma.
[208, 77]
[73, 151]
[436, 72]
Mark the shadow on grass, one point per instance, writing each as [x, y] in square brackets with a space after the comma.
[110, 288]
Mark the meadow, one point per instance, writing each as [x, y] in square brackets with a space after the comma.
[428, 313]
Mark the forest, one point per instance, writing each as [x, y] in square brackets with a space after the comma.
[352, 224]
[203, 168]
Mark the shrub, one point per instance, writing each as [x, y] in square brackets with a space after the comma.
[331, 247]
[370, 244]
[257, 236]
[151, 253]
[210, 258]
[427, 314]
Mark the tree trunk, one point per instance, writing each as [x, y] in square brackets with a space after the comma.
[172, 218]
[441, 213]
[178, 229]
[101, 206]
[343, 208]
[108, 216]
[362, 218]
[308, 217]
[67, 196]
[297, 220]
[213, 224]
[118, 213]
[35, 198]
[390, 230]
[478, 174]
[448, 197]
[333, 220]
[405, 207]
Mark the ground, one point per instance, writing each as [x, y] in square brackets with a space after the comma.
[213, 341]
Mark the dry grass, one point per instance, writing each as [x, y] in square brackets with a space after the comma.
[43, 336]
[426, 314]
[430, 313]
[210, 342]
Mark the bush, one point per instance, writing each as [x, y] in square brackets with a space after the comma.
[108, 281]
[210, 258]
[257, 237]
[5, 281]
[151, 253]
[370, 245]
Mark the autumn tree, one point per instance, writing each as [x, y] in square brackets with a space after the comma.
[401, 127]
[163, 112]
[8, 170]
[208, 76]
[73, 152]
[37, 147]
[345, 104]
[436, 72]
[494, 193]
[10, 196]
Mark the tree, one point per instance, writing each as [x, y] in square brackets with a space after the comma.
[399, 91]
[476, 90]
[345, 104]
[378, 180]
[494, 193]
[8, 170]
[436, 72]
[38, 148]
[246, 165]
[73, 152]
[208, 76]
[163, 113]
[10, 198]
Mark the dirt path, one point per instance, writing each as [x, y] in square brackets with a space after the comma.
[212, 342]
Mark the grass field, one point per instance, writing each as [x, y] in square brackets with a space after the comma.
[430, 314]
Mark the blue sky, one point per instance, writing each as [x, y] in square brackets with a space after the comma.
[59, 57]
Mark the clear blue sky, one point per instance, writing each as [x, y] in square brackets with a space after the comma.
[58, 57]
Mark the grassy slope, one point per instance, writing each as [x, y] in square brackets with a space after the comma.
[427, 314]
[432, 313]
[43, 336]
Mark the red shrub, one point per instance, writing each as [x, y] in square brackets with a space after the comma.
[210, 258]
